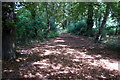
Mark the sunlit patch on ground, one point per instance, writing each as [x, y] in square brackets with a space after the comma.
[69, 57]
[110, 65]
[8, 70]
[59, 41]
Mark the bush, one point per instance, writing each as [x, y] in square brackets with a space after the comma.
[113, 44]
[52, 34]
[78, 28]
[71, 28]
[29, 29]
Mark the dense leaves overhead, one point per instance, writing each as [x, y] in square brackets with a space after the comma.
[45, 16]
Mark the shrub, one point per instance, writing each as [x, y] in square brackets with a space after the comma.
[78, 28]
[52, 34]
[113, 44]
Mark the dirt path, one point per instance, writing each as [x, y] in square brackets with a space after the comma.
[67, 57]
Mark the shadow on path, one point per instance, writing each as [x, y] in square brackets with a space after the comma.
[66, 57]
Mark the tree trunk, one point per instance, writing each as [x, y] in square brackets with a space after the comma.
[33, 13]
[90, 19]
[117, 28]
[101, 28]
[8, 31]
[64, 22]
[48, 21]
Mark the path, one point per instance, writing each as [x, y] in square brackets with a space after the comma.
[66, 57]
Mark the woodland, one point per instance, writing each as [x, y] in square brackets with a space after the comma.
[61, 40]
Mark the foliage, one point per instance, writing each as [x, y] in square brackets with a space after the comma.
[39, 21]
[52, 34]
[113, 43]
[78, 28]
[35, 26]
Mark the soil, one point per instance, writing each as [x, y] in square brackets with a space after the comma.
[66, 57]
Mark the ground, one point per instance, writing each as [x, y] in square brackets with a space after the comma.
[66, 57]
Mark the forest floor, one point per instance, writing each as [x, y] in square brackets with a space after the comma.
[66, 57]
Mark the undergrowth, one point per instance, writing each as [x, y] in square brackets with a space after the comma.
[113, 43]
[51, 35]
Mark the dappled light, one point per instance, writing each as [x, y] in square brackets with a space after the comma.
[60, 40]
[63, 58]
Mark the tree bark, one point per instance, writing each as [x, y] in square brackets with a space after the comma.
[90, 19]
[8, 31]
[101, 28]
[48, 21]
[117, 28]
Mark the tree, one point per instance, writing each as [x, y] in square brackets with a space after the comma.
[90, 22]
[8, 31]
[33, 8]
[115, 11]
[101, 28]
